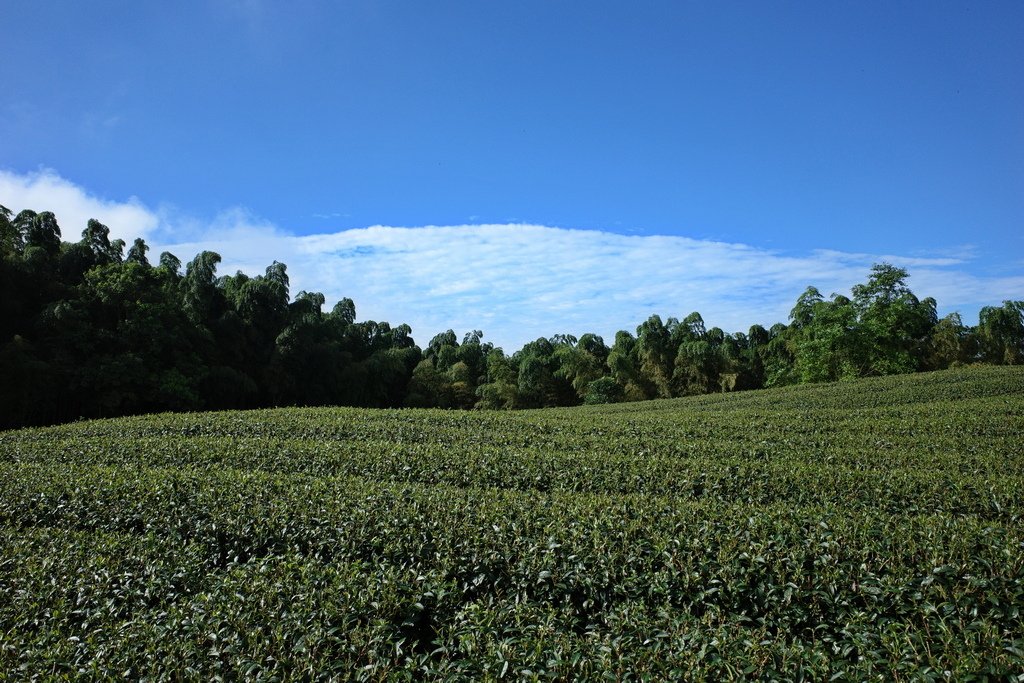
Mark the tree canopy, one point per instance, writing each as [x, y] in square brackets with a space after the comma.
[87, 330]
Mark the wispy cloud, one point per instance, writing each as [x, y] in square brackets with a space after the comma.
[518, 282]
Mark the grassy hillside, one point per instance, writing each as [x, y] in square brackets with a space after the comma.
[869, 530]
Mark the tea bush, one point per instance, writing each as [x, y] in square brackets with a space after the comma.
[860, 531]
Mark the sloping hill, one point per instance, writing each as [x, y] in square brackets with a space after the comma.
[869, 529]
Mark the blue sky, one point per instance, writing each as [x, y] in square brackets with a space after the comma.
[535, 167]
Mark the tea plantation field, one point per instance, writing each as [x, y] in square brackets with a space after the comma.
[860, 531]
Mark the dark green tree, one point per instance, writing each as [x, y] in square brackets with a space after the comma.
[137, 252]
[894, 324]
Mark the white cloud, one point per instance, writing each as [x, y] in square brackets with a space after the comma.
[518, 282]
[45, 190]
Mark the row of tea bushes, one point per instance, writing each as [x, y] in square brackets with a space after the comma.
[713, 538]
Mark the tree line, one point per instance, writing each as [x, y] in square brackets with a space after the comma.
[92, 329]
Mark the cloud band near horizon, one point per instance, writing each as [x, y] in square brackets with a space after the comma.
[516, 282]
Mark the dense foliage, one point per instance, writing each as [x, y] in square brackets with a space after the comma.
[87, 330]
[857, 531]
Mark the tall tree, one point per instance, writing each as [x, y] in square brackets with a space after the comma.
[1001, 333]
[200, 295]
[894, 323]
[827, 343]
[656, 356]
[10, 238]
[624, 368]
[137, 252]
[583, 363]
[41, 232]
[949, 344]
